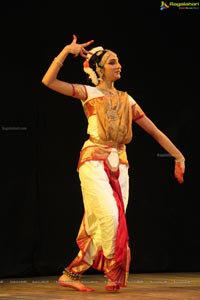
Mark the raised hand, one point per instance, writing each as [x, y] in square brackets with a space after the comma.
[79, 49]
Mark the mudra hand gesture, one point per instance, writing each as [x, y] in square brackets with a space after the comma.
[79, 49]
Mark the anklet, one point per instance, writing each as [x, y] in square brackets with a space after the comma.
[71, 274]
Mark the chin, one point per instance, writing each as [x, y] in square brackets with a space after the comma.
[118, 76]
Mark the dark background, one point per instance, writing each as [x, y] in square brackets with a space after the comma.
[42, 132]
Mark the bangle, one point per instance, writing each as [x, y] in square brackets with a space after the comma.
[58, 62]
[179, 159]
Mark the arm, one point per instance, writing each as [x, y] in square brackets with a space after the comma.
[50, 77]
[166, 143]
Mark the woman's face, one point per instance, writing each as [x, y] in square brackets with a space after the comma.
[112, 69]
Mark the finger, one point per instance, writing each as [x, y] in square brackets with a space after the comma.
[82, 54]
[180, 180]
[179, 176]
[87, 44]
[74, 39]
[85, 51]
[90, 42]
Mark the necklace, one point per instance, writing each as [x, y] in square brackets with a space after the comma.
[112, 113]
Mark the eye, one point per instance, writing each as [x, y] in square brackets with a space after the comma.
[112, 62]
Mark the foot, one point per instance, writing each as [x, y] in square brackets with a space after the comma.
[66, 281]
[112, 286]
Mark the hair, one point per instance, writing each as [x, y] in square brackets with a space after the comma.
[92, 77]
[95, 60]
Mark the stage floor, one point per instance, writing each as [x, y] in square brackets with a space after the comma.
[148, 286]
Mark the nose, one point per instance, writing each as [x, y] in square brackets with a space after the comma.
[119, 66]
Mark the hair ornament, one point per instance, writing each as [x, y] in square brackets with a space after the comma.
[90, 72]
[86, 65]
[93, 51]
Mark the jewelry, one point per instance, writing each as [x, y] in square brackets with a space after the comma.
[112, 113]
[72, 275]
[59, 63]
[179, 160]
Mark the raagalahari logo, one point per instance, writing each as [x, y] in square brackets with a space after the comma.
[179, 5]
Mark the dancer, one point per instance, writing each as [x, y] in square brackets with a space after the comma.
[103, 238]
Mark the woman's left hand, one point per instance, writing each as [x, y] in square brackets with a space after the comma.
[179, 171]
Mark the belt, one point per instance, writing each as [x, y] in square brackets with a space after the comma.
[111, 144]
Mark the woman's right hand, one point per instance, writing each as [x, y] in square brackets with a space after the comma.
[78, 49]
[50, 77]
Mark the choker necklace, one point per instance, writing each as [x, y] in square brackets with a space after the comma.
[112, 113]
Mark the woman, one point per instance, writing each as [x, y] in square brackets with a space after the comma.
[103, 164]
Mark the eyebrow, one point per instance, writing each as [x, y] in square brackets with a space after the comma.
[112, 59]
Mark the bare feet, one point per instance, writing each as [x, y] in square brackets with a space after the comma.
[112, 286]
[66, 281]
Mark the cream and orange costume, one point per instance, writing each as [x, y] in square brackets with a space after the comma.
[103, 171]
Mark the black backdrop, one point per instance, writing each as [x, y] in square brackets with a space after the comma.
[42, 133]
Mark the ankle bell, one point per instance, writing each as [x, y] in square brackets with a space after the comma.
[72, 275]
